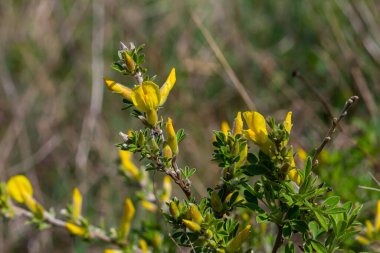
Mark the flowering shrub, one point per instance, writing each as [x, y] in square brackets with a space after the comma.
[261, 186]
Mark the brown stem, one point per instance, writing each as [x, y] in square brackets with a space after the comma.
[279, 239]
[333, 127]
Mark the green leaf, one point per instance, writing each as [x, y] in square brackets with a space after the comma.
[251, 158]
[318, 247]
[308, 166]
[321, 220]
[332, 201]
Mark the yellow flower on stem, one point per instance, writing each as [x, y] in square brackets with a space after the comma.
[77, 204]
[172, 137]
[76, 230]
[149, 206]
[238, 125]
[147, 96]
[128, 166]
[21, 190]
[166, 189]
[288, 122]
[128, 214]
[293, 173]
[372, 232]
[257, 130]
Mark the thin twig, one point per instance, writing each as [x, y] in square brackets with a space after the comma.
[219, 55]
[95, 233]
[335, 124]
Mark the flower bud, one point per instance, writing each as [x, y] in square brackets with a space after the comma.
[76, 230]
[235, 243]
[167, 152]
[173, 209]
[77, 204]
[195, 214]
[172, 137]
[131, 64]
[216, 202]
[143, 246]
[167, 189]
[149, 206]
[191, 225]
[156, 240]
[238, 125]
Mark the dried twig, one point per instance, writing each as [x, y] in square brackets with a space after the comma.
[219, 55]
[335, 124]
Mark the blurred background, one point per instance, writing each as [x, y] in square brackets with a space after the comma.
[58, 125]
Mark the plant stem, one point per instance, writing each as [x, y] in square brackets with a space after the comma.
[279, 239]
[333, 127]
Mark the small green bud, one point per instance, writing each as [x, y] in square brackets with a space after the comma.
[131, 64]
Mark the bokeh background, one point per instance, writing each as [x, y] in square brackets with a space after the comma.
[58, 125]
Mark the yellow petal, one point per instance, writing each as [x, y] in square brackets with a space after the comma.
[167, 189]
[257, 126]
[167, 86]
[118, 88]
[128, 214]
[77, 204]
[302, 154]
[143, 245]
[377, 222]
[362, 240]
[288, 122]
[146, 96]
[238, 125]
[294, 176]
[225, 127]
[149, 206]
[235, 243]
[112, 251]
[76, 230]
[19, 185]
[370, 229]
[172, 137]
[32, 204]
[127, 165]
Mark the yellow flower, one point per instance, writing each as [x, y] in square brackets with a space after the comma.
[257, 130]
[128, 214]
[238, 125]
[21, 190]
[18, 186]
[77, 204]
[118, 88]
[149, 206]
[362, 240]
[128, 166]
[167, 189]
[294, 176]
[76, 230]
[143, 245]
[172, 137]
[146, 97]
[112, 251]
[235, 243]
